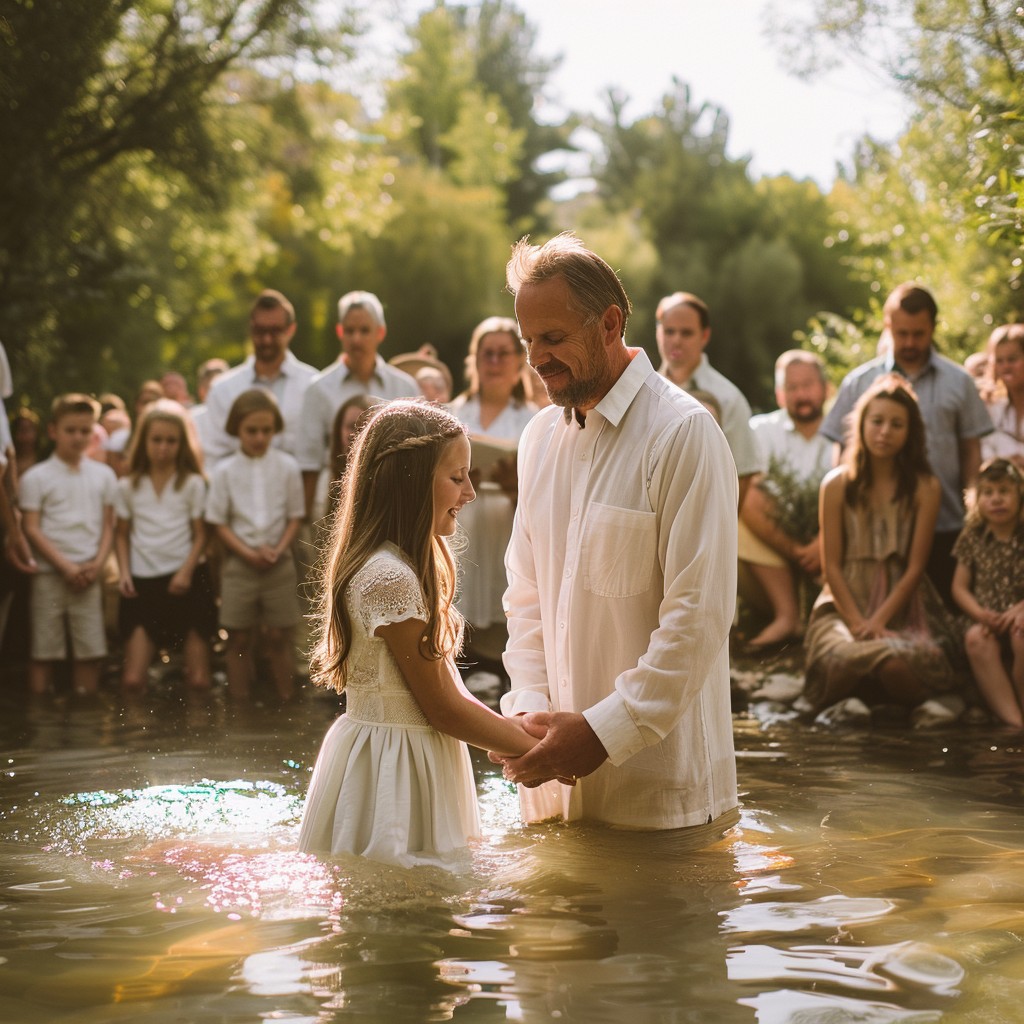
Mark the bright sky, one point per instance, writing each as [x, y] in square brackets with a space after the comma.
[719, 48]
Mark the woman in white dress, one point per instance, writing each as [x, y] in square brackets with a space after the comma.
[495, 409]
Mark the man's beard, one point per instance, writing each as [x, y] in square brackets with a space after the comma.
[806, 413]
[576, 394]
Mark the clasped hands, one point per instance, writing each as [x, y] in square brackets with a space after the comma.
[568, 750]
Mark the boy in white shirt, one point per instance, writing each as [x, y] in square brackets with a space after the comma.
[67, 504]
[256, 505]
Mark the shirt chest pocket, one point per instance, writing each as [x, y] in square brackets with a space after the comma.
[619, 546]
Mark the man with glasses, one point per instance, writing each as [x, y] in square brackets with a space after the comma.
[272, 366]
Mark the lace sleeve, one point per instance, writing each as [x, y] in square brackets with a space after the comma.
[386, 590]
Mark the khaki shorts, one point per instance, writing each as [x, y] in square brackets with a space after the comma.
[754, 550]
[250, 598]
[57, 611]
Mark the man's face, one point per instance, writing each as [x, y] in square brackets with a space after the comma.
[360, 335]
[681, 339]
[802, 394]
[911, 338]
[271, 334]
[568, 355]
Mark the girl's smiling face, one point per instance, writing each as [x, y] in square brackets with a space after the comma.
[452, 487]
[885, 428]
[255, 433]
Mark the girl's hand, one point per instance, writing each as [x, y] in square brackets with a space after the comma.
[180, 582]
[126, 585]
[871, 629]
[996, 622]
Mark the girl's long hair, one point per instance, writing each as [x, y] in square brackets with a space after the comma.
[911, 460]
[163, 410]
[387, 494]
[339, 458]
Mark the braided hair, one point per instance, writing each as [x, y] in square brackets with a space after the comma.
[387, 496]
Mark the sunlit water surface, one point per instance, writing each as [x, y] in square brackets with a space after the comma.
[148, 874]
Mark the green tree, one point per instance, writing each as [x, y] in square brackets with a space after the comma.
[756, 252]
[119, 111]
[961, 62]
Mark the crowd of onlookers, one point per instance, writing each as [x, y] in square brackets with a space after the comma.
[882, 530]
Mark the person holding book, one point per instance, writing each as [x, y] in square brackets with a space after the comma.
[495, 410]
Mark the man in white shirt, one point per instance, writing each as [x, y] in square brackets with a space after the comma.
[778, 536]
[271, 366]
[621, 568]
[359, 370]
[683, 333]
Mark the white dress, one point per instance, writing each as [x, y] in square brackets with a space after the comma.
[487, 522]
[387, 785]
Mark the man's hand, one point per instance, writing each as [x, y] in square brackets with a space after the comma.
[568, 750]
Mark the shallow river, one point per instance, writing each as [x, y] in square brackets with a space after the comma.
[148, 875]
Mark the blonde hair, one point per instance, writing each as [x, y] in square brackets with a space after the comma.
[387, 496]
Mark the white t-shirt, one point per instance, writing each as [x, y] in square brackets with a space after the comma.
[71, 502]
[161, 524]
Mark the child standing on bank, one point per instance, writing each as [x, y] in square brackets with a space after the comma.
[988, 585]
[67, 505]
[166, 594]
[393, 781]
[256, 504]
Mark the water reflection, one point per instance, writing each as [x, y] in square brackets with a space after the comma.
[148, 873]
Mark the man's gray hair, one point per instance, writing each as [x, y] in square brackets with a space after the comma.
[798, 355]
[361, 300]
[593, 285]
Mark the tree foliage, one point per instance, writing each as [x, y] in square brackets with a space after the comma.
[119, 113]
[754, 251]
[946, 202]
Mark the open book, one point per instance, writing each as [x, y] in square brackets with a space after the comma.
[487, 451]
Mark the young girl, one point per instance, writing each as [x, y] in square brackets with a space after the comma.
[392, 781]
[988, 585]
[166, 596]
[878, 629]
[347, 420]
[256, 503]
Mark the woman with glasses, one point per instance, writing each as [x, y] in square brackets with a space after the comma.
[495, 408]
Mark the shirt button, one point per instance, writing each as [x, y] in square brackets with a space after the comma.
[561, 625]
[568, 573]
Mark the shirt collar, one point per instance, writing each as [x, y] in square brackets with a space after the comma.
[891, 366]
[616, 402]
[378, 368]
[288, 362]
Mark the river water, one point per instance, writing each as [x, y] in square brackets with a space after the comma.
[148, 875]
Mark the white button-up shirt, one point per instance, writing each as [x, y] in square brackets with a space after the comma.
[288, 387]
[328, 393]
[256, 498]
[622, 584]
[807, 458]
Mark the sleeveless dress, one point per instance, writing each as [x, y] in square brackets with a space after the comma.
[874, 558]
[386, 784]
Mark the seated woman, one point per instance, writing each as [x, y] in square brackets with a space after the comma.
[879, 630]
[495, 409]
